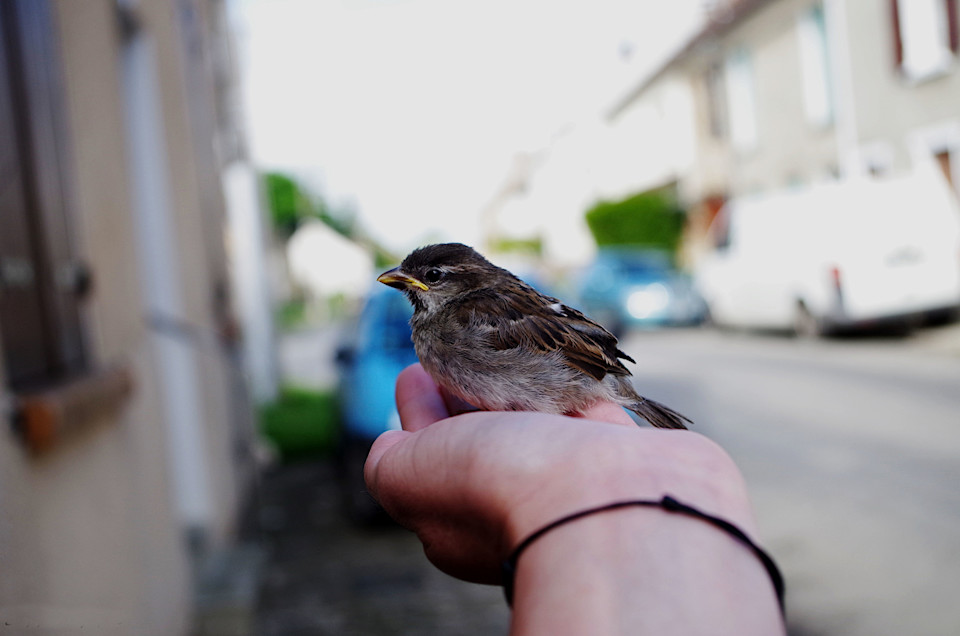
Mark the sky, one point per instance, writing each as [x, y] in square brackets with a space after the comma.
[412, 111]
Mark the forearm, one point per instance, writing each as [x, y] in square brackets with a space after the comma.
[642, 571]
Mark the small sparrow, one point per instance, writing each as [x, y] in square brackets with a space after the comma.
[492, 340]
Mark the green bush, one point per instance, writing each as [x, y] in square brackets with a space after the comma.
[291, 314]
[648, 219]
[301, 423]
[533, 246]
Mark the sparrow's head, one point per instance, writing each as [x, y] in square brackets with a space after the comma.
[435, 274]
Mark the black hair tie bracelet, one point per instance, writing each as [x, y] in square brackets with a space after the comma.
[509, 566]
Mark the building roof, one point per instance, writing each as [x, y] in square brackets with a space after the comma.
[721, 20]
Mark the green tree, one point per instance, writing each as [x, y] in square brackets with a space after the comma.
[289, 206]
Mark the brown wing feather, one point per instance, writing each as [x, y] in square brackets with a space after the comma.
[543, 323]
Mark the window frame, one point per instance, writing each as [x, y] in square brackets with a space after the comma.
[947, 34]
[815, 67]
[742, 109]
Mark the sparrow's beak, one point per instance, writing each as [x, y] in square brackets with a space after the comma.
[399, 280]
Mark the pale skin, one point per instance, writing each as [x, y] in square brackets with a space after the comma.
[473, 486]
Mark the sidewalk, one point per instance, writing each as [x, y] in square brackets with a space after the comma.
[326, 576]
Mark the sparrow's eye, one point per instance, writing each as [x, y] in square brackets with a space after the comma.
[433, 275]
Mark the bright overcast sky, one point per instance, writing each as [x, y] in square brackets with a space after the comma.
[411, 110]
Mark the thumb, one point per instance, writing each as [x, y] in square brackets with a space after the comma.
[419, 401]
[380, 447]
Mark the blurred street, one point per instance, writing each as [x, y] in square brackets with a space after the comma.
[197, 197]
[328, 576]
[852, 454]
[849, 446]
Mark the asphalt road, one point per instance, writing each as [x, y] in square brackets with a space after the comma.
[851, 450]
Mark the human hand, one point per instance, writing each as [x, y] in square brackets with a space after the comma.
[474, 485]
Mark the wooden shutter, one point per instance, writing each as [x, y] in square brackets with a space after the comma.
[48, 140]
[39, 316]
[953, 25]
[897, 38]
[21, 310]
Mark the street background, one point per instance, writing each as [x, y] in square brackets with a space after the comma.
[760, 197]
[849, 447]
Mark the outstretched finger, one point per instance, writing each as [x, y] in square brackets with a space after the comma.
[419, 401]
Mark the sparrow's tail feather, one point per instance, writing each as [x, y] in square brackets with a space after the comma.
[658, 415]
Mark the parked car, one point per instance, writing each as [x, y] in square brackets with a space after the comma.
[378, 348]
[638, 287]
[837, 256]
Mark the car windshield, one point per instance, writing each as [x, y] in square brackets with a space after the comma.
[637, 264]
[642, 268]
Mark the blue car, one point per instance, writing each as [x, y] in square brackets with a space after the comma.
[378, 350]
[638, 288]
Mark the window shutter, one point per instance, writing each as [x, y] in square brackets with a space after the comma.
[40, 328]
[21, 311]
[47, 132]
[953, 25]
[896, 37]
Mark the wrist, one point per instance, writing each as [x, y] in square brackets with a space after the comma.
[642, 464]
[642, 570]
[667, 504]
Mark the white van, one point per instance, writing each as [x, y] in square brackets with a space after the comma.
[839, 255]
